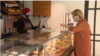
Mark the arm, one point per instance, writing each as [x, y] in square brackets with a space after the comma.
[33, 27]
[20, 26]
[78, 28]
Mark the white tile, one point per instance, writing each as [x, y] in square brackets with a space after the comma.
[54, 18]
[60, 15]
[91, 4]
[98, 22]
[91, 48]
[97, 48]
[65, 4]
[53, 6]
[53, 14]
[53, 10]
[59, 22]
[54, 22]
[98, 4]
[91, 19]
[60, 18]
[53, 0]
[49, 21]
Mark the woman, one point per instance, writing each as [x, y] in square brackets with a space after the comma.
[24, 24]
[82, 33]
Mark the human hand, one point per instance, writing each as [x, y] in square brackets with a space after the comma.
[64, 25]
[62, 31]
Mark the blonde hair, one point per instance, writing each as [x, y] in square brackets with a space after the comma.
[78, 12]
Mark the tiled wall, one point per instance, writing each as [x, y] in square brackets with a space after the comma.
[58, 8]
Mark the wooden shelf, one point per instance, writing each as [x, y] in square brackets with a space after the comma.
[11, 13]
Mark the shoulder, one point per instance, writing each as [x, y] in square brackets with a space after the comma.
[20, 20]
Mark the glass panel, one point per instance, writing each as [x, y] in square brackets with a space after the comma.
[97, 22]
[98, 4]
[97, 49]
[91, 48]
[97, 37]
[91, 4]
[40, 39]
[91, 19]
[92, 37]
[59, 45]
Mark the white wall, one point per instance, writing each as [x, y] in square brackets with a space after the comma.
[72, 5]
[58, 8]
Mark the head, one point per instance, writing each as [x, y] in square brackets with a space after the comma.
[77, 15]
[26, 12]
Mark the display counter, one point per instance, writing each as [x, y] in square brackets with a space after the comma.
[50, 44]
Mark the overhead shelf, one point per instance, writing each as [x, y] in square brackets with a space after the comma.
[13, 11]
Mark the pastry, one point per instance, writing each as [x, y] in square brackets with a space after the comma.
[69, 34]
[34, 55]
[57, 54]
[35, 52]
[65, 37]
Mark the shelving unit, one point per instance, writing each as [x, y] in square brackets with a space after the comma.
[13, 9]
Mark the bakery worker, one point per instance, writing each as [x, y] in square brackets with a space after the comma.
[82, 33]
[24, 24]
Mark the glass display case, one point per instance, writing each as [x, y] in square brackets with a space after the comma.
[56, 44]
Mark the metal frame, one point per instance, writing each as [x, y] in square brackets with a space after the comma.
[86, 16]
[86, 10]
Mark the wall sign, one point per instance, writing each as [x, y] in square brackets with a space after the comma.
[11, 5]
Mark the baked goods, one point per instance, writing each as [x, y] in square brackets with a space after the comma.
[56, 50]
[50, 50]
[34, 55]
[35, 52]
[57, 47]
[19, 11]
[69, 34]
[65, 37]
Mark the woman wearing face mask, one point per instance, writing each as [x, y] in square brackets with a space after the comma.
[82, 33]
[24, 24]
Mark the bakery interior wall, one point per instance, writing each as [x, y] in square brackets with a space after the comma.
[58, 8]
